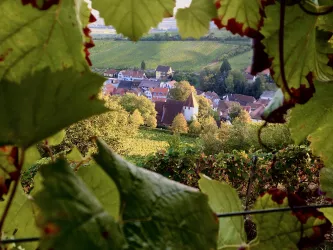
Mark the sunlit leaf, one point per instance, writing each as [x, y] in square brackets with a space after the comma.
[21, 219]
[56, 139]
[72, 218]
[32, 39]
[31, 156]
[287, 229]
[102, 186]
[46, 103]
[133, 18]
[194, 21]
[224, 199]
[299, 36]
[240, 16]
[156, 211]
[314, 121]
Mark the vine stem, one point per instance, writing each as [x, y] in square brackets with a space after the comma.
[272, 210]
[281, 47]
[10, 241]
[16, 183]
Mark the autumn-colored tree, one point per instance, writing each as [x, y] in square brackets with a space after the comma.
[209, 125]
[182, 91]
[179, 124]
[195, 127]
[136, 118]
[235, 110]
[243, 117]
[151, 121]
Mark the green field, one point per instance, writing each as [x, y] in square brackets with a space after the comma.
[180, 55]
[148, 142]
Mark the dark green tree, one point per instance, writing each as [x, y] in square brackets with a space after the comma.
[143, 65]
[225, 68]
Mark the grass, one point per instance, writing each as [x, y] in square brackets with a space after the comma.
[148, 142]
[180, 55]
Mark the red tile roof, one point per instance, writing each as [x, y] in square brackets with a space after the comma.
[256, 115]
[242, 99]
[263, 101]
[156, 99]
[111, 71]
[191, 102]
[249, 69]
[108, 89]
[133, 73]
[159, 90]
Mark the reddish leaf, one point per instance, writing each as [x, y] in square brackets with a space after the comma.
[46, 3]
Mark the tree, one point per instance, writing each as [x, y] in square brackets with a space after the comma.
[151, 121]
[114, 127]
[257, 88]
[136, 118]
[143, 65]
[243, 117]
[205, 107]
[225, 67]
[209, 125]
[179, 124]
[182, 91]
[229, 83]
[235, 110]
[207, 80]
[195, 127]
[130, 102]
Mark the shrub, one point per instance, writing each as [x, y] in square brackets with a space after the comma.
[195, 127]
[151, 121]
[179, 124]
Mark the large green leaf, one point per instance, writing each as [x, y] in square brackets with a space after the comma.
[304, 50]
[45, 103]
[314, 120]
[286, 230]
[159, 213]
[21, 219]
[134, 18]
[72, 218]
[102, 187]
[326, 181]
[195, 20]
[240, 16]
[224, 199]
[31, 39]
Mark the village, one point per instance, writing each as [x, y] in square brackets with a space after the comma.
[157, 90]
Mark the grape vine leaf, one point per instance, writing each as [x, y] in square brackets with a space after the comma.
[240, 17]
[134, 18]
[287, 230]
[71, 216]
[21, 219]
[194, 21]
[56, 139]
[313, 121]
[299, 35]
[48, 43]
[224, 199]
[158, 212]
[45, 103]
[31, 155]
[326, 178]
[102, 186]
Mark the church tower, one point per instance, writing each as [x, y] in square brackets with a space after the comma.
[191, 108]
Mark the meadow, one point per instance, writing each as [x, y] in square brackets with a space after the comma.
[148, 142]
[180, 55]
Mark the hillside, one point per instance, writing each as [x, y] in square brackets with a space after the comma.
[180, 55]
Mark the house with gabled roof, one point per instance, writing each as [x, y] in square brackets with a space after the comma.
[111, 73]
[163, 72]
[132, 75]
[242, 99]
[167, 111]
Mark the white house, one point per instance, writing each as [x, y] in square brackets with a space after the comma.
[131, 75]
[191, 108]
[267, 95]
[163, 72]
